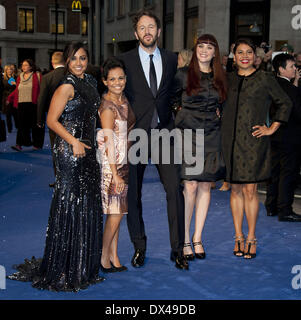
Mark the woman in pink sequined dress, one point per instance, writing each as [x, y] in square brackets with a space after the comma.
[117, 119]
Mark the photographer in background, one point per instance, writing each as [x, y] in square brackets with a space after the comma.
[297, 83]
[285, 147]
[287, 48]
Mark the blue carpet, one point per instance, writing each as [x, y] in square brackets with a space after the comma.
[25, 201]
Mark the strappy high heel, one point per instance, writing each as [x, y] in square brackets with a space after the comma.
[239, 240]
[188, 256]
[248, 254]
[201, 255]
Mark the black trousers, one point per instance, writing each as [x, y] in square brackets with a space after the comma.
[170, 178]
[11, 112]
[28, 132]
[282, 184]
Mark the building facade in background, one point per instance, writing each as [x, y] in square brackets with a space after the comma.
[106, 25]
[36, 28]
[184, 20]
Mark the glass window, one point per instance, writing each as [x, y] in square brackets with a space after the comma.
[84, 23]
[26, 20]
[121, 7]
[192, 3]
[248, 24]
[110, 12]
[168, 24]
[168, 40]
[191, 23]
[148, 3]
[134, 6]
[169, 6]
[192, 32]
[61, 22]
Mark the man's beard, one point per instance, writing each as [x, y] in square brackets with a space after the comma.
[149, 44]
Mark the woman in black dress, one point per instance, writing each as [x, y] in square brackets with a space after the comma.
[201, 89]
[245, 141]
[74, 235]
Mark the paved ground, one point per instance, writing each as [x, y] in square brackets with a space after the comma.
[25, 199]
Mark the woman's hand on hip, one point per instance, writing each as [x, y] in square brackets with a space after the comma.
[260, 131]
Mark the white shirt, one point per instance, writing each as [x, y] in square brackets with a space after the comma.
[145, 61]
[285, 78]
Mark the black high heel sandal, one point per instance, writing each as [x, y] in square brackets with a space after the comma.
[107, 270]
[201, 255]
[248, 254]
[119, 269]
[238, 240]
[188, 256]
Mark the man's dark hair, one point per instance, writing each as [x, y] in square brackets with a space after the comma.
[281, 61]
[147, 13]
[111, 63]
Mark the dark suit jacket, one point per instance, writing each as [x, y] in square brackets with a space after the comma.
[291, 131]
[139, 93]
[1, 90]
[49, 84]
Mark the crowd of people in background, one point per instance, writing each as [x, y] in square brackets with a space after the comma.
[228, 95]
[10, 73]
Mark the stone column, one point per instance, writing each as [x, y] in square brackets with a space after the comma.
[178, 38]
[202, 17]
[90, 31]
[9, 54]
[97, 39]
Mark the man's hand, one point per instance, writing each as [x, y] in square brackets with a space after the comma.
[297, 77]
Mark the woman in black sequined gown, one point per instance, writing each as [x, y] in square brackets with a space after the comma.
[74, 235]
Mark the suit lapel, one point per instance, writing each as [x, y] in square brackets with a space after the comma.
[164, 67]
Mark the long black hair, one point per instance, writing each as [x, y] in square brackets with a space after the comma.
[71, 49]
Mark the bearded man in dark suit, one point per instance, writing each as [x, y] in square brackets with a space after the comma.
[150, 74]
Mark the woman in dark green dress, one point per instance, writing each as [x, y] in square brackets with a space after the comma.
[245, 141]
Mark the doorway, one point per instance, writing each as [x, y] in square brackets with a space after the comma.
[250, 19]
[25, 53]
